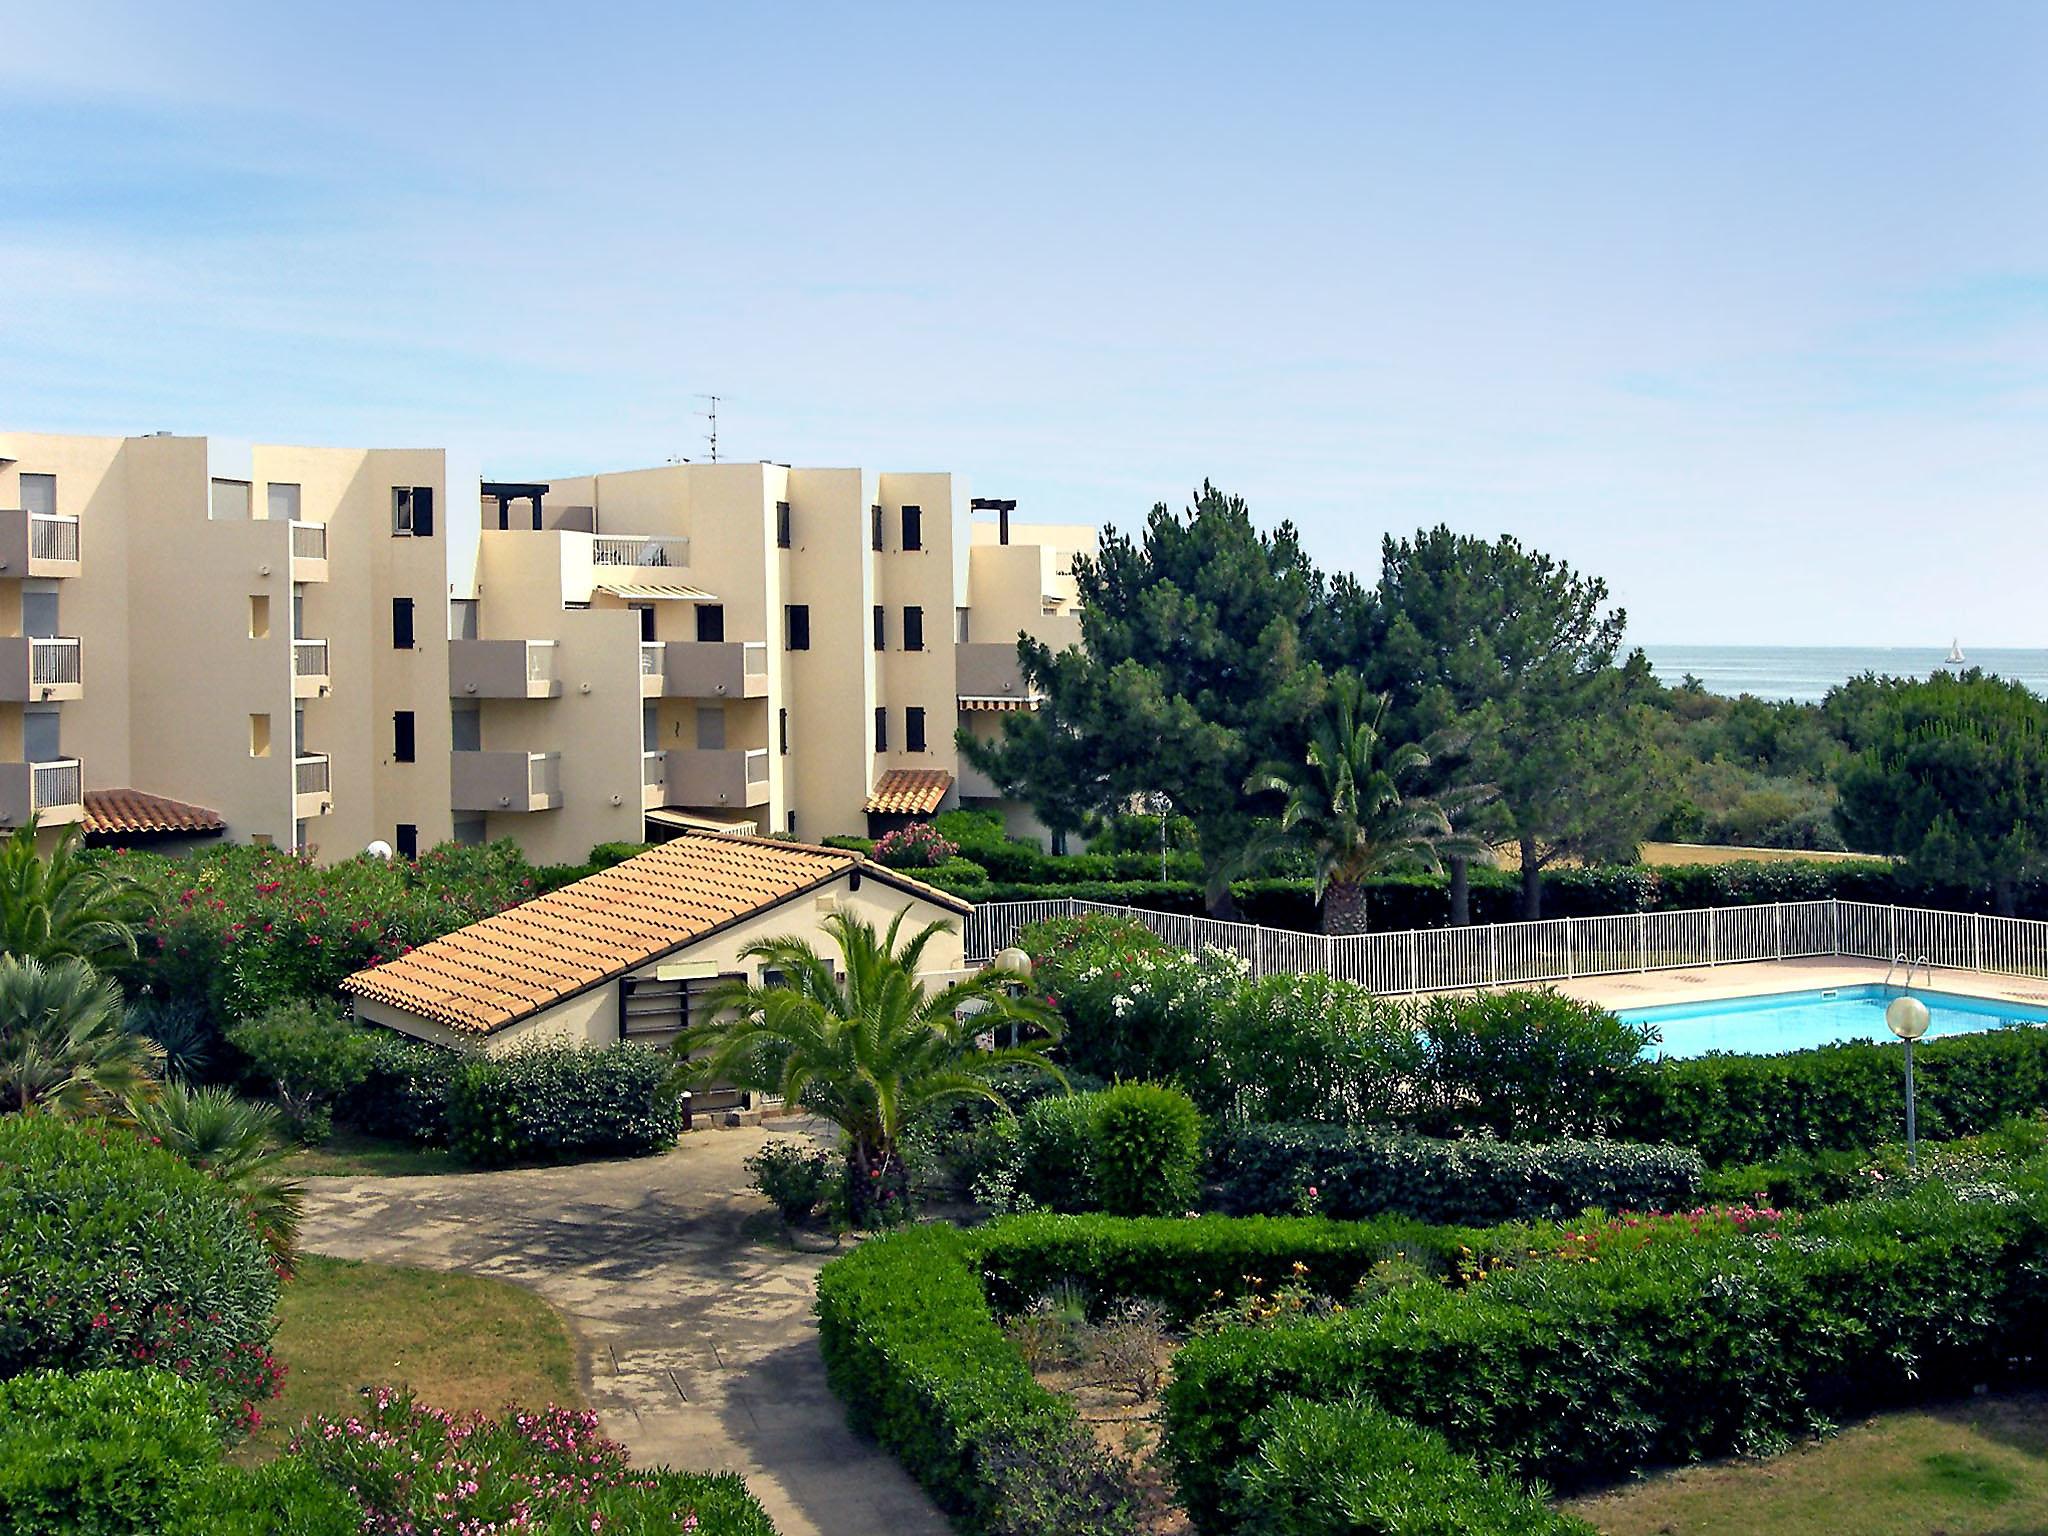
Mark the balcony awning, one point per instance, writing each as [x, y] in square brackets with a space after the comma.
[1000, 701]
[643, 591]
[910, 791]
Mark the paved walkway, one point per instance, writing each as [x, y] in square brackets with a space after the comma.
[696, 1339]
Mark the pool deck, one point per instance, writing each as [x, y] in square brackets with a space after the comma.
[1649, 989]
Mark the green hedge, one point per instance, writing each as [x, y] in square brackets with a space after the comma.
[100, 1453]
[1270, 1169]
[1721, 1343]
[911, 1348]
[403, 1093]
[1133, 1149]
[556, 1102]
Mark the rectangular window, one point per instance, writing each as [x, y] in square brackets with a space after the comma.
[466, 727]
[782, 731]
[39, 611]
[259, 616]
[881, 728]
[462, 618]
[796, 627]
[39, 494]
[875, 528]
[259, 735]
[401, 623]
[782, 525]
[408, 840]
[40, 738]
[789, 822]
[412, 510]
[469, 830]
[710, 727]
[710, 622]
[913, 729]
[913, 527]
[650, 726]
[281, 502]
[404, 736]
[646, 612]
[881, 627]
[913, 629]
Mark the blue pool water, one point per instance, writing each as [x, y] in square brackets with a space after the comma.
[1793, 1021]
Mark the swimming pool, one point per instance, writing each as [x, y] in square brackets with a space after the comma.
[1793, 1021]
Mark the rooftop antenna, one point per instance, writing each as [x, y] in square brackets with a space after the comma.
[712, 415]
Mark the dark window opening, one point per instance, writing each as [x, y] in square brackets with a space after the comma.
[710, 621]
[913, 730]
[881, 626]
[404, 737]
[412, 510]
[796, 624]
[875, 533]
[913, 629]
[782, 525]
[646, 622]
[913, 527]
[408, 840]
[881, 729]
[782, 731]
[401, 623]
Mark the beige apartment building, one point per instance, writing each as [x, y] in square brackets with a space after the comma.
[287, 644]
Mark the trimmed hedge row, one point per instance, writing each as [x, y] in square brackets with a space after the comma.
[562, 1101]
[1270, 1169]
[1725, 1342]
[912, 1350]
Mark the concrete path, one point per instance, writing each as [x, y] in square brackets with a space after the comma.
[696, 1339]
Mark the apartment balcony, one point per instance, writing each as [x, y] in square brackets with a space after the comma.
[503, 669]
[309, 669]
[715, 669]
[39, 669]
[312, 785]
[988, 670]
[38, 544]
[309, 551]
[53, 791]
[653, 779]
[616, 553]
[506, 781]
[653, 669]
[732, 777]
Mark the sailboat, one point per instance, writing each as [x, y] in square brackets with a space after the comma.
[1955, 657]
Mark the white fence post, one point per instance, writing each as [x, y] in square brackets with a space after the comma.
[1493, 954]
[1713, 936]
[1778, 930]
[1977, 940]
[1570, 961]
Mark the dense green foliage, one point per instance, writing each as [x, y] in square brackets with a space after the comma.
[403, 1092]
[550, 1103]
[1351, 1174]
[118, 1254]
[61, 905]
[64, 1046]
[237, 1144]
[1134, 1149]
[98, 1454]
[307, 1056]
[1523, 1065]
[911, 1349]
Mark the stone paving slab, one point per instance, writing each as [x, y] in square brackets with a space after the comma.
[695, 1340]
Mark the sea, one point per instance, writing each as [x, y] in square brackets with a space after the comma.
[1806, 672]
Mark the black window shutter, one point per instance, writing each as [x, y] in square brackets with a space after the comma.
[881, 729]
[408, 840]
[875, 538]
[798, 618]
[913, 527]
[401, 623]
[423, 511]
[710, 621]
[403, 736]
[881, 626]
[913, 629]
[913, 730]
[782, 730]
[782, 525]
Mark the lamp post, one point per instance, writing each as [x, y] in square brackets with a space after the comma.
[1160, 804]
[1014, 964]
[1906, 1016]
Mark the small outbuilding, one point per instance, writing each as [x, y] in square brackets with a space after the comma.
[627, 954]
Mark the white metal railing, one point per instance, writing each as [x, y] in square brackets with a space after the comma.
[754, 658]
[544, 774]
[540, 661]
[312, 774]
[638, 549]
[653, 769]
[53, 535]
[757, 765]
[309, 658]
[59, 781]
[309, 541]
[650, 658]
[1564, 948]
[52, 660]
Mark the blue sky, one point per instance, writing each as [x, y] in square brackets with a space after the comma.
[1743, 306]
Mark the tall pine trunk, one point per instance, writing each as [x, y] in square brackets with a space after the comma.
[1532, 882]
[1461, 893]
[1344, 909]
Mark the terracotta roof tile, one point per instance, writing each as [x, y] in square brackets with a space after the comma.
[910, 791]
[507, 967]
[127, 812]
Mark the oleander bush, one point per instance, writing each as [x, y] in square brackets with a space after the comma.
[555, 1102]
[1313, 1047]
[1353, 1174]
[115, 1254]
[1136, 1007]
[1804, 1180]
[1054, 1152]
[403, 1092]
[305, 1054]
[793, 1178]
[100, 1453]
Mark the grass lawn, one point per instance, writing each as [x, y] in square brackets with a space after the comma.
[349, 1152]
[1973, 1468]
[460, 1341]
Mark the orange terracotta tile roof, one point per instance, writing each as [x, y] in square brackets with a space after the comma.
[128, 812]
[507, 967]
[910, 791]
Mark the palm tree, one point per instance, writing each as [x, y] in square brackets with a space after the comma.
[238, 1143]
[64, 1046]
[1346, 806]
[64, 905]
[864, 1044]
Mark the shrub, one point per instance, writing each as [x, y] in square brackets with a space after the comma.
[912, 1350]
[1135, 1007]
[184, 1030]
[98, 1453]
[285, 1497]
[1352, 1466]
[1056, 1152]
[793, 1178]
[1272, 1169]
[552, 1102]
[1147, 1150]
[1311, 1047]
[308, 1056]
[117, 1254]
[1529, 1065]
[917, 846]
[404, 1088]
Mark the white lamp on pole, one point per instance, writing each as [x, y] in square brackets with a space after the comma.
[1907, 1017]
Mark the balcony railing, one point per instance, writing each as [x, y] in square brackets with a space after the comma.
[55, 784]
[309, 541]
[52, 662]
[653, 768]
[309, 658]
[52, 536]
[757, 766]
[312, 775]
[638, 549]
[540, 661]
[650, 658]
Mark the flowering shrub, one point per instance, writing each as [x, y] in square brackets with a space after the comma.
[418, 1472]
[1135, 1006]
[114, 1254]
[917, 846]
[791, 1177]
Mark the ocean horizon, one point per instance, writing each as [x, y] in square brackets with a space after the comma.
[1805, 673]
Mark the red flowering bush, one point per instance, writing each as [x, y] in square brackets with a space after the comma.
[117, 1255]
[917, 846]
[418, 1472]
